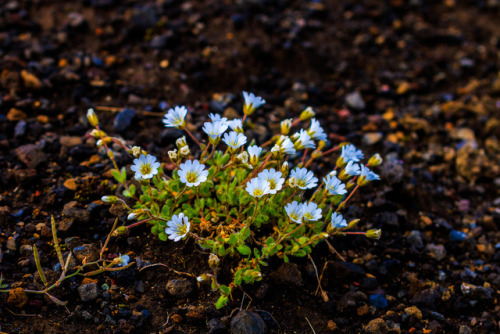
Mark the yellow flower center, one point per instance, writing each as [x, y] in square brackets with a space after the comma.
[301, 183]
[294, 216]
[308, 215]
[257, 192]
[191, 177]
[182, 230]
[272, 183]
[146, 169]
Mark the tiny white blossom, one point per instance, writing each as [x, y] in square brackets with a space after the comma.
[338, 221]
[145, 167]
[258, 187]
[254, 151]
[274, 178]
[173, 155]
[303, 140]
[192, 173]
[217, 118]
[215, 130]
[286, 145]
[350, 153]
[236, 125]
[352, 169]
[252, 102]
[177, 227]
[175, 117]
[305, 178]
[234, 140]
[311, 211]
[122, 260]
[316, 131]
[366, 176]
[294, 210]
[334, 185]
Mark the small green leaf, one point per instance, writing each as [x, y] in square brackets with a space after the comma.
[221, 302]
[233, 239]
[225, 289]
[121, 177]
[163, 236]
[244, 250]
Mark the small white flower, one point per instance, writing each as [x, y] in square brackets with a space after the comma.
[122, 260]
[192, 173]
[352, 169]
[334, 185]
[242, 157]
[350, 153]
[316, 131]
[217, 118]
[311, 211]
[236, 125]
[177, 227]
[145, 167]
[303, 140]
[305, 179]
[215, 130]
[375, 160]
[254, 151]
[366, 176]
[234, 140]
[132, 216]
[173, 155]
[258, 187]
[285, 145]
[252, 102]
[181, 142]
[274, 178]
[294, 210]
[338, 221]
[175, 117]
[136, 151]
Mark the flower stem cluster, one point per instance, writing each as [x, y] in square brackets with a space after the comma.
[240, 198]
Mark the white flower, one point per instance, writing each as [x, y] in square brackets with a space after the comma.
[145, 167]
[285, 145]
[236, 125]
[352, 169]
[254, 151]
[242, 157]
[252, 102]
[305, 179]
[122, 260]
[274, 178]
[350, 153]
[303, 140]
[311, 211]
[338, 221]
[334, 185]
[316, 131]
[192, 173]
[294, 210]
[173, 155]
[234, 140]
[175, 117]
[258, 187]
[177, 227]
[136, 151]
[181, 142]
[215, 130]
[217, 118]
[375, 160]
[366, 176]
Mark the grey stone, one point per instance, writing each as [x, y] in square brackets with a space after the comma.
[88, 292]
[247, 322]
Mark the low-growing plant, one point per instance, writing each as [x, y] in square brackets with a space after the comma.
[239, 199]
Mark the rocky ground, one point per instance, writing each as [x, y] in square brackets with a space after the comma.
[417, 81]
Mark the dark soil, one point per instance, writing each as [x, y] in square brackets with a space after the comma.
[417, 81]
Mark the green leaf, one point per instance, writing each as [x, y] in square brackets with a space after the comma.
[155, 229]
[256, 253]
[120, 176]
[270, 241]
[221, 302]
[233, 239]
[244, 250]
[225, 289]
[199, 204]
[225, 159]
[245, 233]
[163, 236]
[285, 258]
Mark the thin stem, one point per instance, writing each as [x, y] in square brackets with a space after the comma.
[192, 136]
[341, 205]
[138, 223]
[336, 148]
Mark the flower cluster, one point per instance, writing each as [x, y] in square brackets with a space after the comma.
[228, 187]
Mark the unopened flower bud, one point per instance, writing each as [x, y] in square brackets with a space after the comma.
[97, 133]
[285, 169]
[132, 216]
[307, 114]
[285, 126]
[352, 224]
[374, 234]
[185, 151]
[321, 144]
[202, 278]
[242, 157]
[275, 151]
[111, 155]
[375, 160]
[292, 182]
[316, 154]
[181, 142]
[256, 275]
[173, 155]
[136, 151]
[213, 261]
[121, 231]
[109, 199]
[92, 117]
